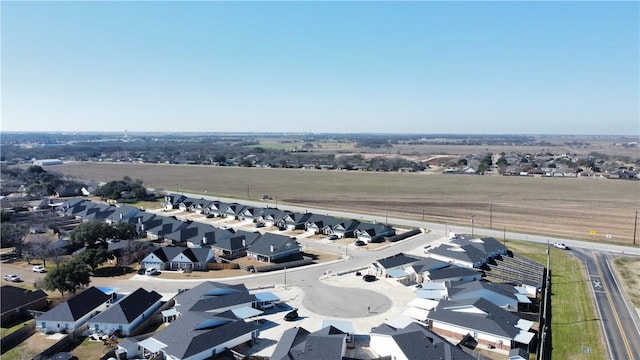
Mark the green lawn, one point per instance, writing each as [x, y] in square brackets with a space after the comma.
[573, 315]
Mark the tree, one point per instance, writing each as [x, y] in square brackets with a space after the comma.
[68, 277]
[13, 235]
[40, 247]
[125, 231]
[93, 257]
[91, 232]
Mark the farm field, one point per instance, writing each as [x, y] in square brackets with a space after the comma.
[588, 209]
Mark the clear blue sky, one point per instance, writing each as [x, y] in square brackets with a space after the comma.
[413, 67]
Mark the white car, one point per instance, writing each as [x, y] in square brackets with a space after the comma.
[561, 246]
[12, 278]
[39, 269]
[151, 271]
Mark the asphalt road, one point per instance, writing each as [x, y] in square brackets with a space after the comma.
[621, 325]
[618, 319]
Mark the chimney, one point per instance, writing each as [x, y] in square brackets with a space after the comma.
[120, 216]
[244, 242]
[139, 220]
[142, 227]
[271, 247]
[204, 239]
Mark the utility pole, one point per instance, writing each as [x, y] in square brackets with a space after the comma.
[472, 224]
[247, 191]
[635, 228]
[423, 213]
[285, 277]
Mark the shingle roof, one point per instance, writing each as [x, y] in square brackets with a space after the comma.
[129, 308]
[398, 260]
[465, 253]
[280, 243]
[452, 272]
[12, 297]
[289, 339]
[419, 343]
[490, 318]
[76, 307]
[211, 296]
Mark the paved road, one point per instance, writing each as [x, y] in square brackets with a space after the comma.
[618, 319]
[324, 299]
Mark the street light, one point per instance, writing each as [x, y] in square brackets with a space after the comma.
[635, 228]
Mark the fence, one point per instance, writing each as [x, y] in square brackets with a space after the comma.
[280, 266]
[18, 336]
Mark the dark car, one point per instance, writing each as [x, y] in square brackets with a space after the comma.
[332, 237]
[369, 278]
[292, 315]
[141, 271]
[359, 243]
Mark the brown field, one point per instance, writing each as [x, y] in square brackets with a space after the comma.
[573, 208]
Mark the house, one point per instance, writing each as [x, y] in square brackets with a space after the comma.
[413, 342]
[503, 295]
[197, 335]
[178, 258]
[293, 221]
[271, 216]
[320, 224]
[370, 233]
[235, 246]
[75, 312]
[186, 203]
[199, 206]
[487, 323]
[299, 344]
[193, 233]
[272, 247]
[249, 213]
[396, 266]
[215, 209]
[205, 324]
[453, 273]
[160, 226]
[172, 201]
[121, 213]
[488, 245]
[15, 302]
[232, 210]
[142, 220]
[465, 256]
[127, 314]
[345, 228]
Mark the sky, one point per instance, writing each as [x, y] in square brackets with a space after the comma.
[500, 67]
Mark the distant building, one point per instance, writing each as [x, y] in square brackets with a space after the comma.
[47, 162]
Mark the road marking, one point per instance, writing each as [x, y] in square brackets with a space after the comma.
[615, 313]
[596, 283]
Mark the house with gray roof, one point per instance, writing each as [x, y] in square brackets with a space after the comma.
[236, 245]
[503, 295]
[273, 247]
[205, 324]
[413, 342]
[75, 312]
[293, 221]
[373, 232]
[121, 213]
[487, 323]
[173, 201]
[271, 216]
[127, 314]
[161, 226]
[299, 344]
[453, 273]
[179, 258]
[465, 256]
[15, 302]
[488, 245]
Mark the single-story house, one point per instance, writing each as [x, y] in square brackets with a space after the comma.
[413, 342]
[15, 302]
[75, 312]
[272, 247]
[178, 258]
[127, 314]
[299, 344]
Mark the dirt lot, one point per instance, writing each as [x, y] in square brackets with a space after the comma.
[586, 209]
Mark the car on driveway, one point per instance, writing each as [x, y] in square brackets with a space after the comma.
[292, 315]
[151, 271]
[39, 269]
[561, 246]
[359, 243]
[369, 278]
[12, 278]
[332, 237]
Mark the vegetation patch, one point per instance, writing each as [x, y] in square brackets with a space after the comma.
[628, 270]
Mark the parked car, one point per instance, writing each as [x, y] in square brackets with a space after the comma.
[561, 246]
[369, 278]
[12, 278]
[141, 271]
[359, 243]
[151, 271]
[332, 237]
[39, 269]
[292, 315]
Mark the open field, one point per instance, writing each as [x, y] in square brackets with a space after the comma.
[587, 209]
[573, 319]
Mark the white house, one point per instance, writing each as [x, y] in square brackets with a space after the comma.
[75, 312]
[127, 314]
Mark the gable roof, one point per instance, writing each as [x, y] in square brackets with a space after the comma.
[196, 332]
[419, 343]
[452, 272]
[12, 297]
[211, 296]
[280, 243]
[398, 260]
[129, 308]
[477, 315]
[76, 307]
[289, 339]
[298, 344]
[466, 253]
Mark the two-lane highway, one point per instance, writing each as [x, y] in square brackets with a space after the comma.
[619, 320]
